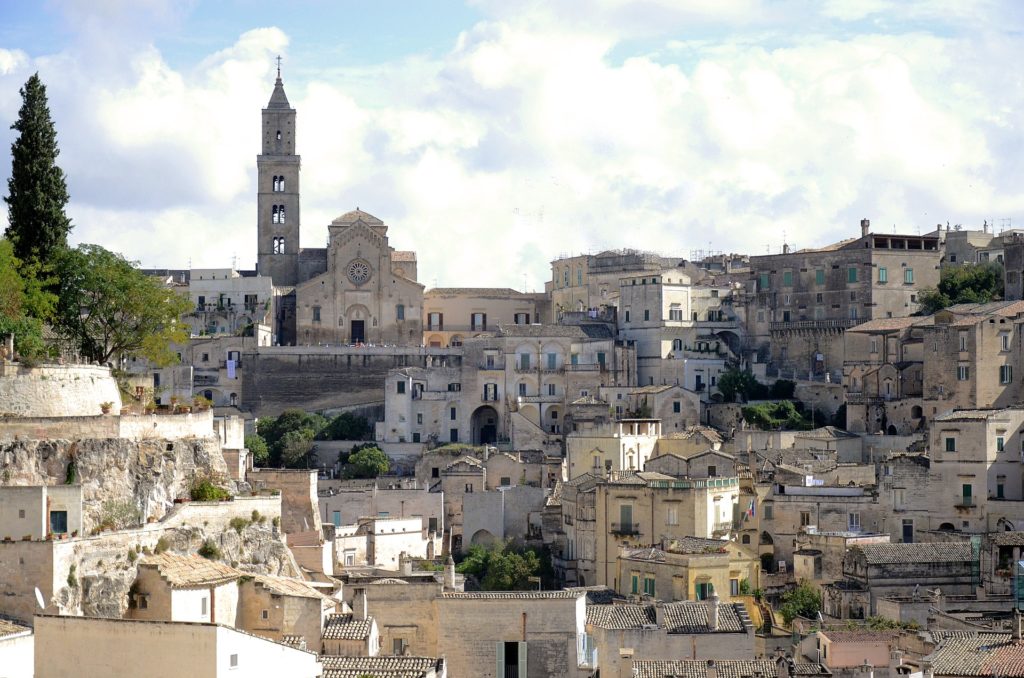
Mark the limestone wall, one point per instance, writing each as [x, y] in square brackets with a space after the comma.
[56, 390]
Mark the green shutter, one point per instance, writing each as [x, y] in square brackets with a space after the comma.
[499, 665]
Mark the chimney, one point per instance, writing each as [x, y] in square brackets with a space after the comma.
[895, 658]
[712, 670]
[659, 615]
[926, 669]
[865, 227]
[713, 612]
[784, 667]
[359, 604]
[404, 564]
[785, 248]
[449, 574]
[1015, 622]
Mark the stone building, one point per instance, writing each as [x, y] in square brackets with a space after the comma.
[451, 315]
[40, 512]
[875, 571]
[17, 646]
[801, 302]
[358, 289]
[622, 445]
[979, 655]
[668, 631]
[688, 568]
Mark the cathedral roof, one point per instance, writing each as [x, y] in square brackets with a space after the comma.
[357, 215]
[278, 99]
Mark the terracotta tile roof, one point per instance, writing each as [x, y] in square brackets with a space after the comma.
[692, 617]
[514, 595]
[1008, 538]
[726, 668]
[694, 431]
[589, 400]
[891, 324]
[347, 627]
[287, 586]
[389, 581]
[978, 654]
[938, 552]
[379, 667]
[826, 433]
[597, 595]
[620, 617]
[294, 641]
[697, 545]
[859, 636]
[190, 571]
[9, 628]
[590, 331]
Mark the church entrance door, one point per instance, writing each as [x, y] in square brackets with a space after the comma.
[358, 332]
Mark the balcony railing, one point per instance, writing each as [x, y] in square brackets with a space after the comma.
[840, 324]
[723, 526]
[965, 502]
[625, 528]
[585, 367]
[540, 399]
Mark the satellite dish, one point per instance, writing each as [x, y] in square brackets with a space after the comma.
[39, 599]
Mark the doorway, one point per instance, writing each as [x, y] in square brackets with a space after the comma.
[908, 530]
[358, 332]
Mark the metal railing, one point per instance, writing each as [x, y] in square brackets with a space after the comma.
[625, 528]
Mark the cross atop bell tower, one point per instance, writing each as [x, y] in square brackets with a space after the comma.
[277, 192]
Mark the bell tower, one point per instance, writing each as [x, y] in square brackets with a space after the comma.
[277, 191]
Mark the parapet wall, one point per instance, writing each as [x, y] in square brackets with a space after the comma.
[56, 390]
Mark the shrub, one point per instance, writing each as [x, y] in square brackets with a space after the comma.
[161, 545]
[803, 601]
[368, 462]
[119, 515]
[132, 556]
[204, 489]
[238, 524]
[257, 518]
[210, 550]
[72, 579]
[71, 475]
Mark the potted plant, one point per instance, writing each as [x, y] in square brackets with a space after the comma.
[151, 407]
[105, 407]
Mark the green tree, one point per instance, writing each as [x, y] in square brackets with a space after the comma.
[776, 415]
[345, 426]
[503, 567]
[257, 447]
[734, 382]
[295, 447]
[110, 308]
[18, 297]
[273, 430]
[978, 284]
[803, 601]
[369, 462]
[36, 191]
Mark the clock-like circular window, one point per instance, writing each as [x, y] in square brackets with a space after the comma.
[358, 271]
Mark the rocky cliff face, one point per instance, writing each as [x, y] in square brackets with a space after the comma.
[148, 474]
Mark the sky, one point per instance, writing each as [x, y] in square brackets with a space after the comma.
[494, 136]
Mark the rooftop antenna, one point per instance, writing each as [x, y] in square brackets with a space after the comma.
[278, 66]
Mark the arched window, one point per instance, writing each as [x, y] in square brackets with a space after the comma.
[280, 184]
[745, 539]
[579, 276]
[278, 245]
[278, 135]
[565, 278]
[677, 344]
[275, 183]
[275, 218]
[280, 214]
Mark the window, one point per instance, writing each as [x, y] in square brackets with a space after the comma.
[453, 435]
[677, 407]
[206, 357]
[908, 275]
[398, 646]
[579, 276]
[712, 471]
[627, 315]
[968, 492]
[521, 318]
[999, 443]
[451, 415]
[435, 472]
[963, 373]
[21, 513]
[454, 387]
[805, 518]
[316, 314]
[478, 322]
[851, 274]
[400, 387]
[853, 522]
[950, 444]
[551, 389]
[435, 321]
[202, 606]
[672, 516]
[819, 298]
[266, 613]
[769, 511]
[1005, 374]
[763, 283]
[675, 314]
[963, 341]
[874, 345]
[336, 519]
[524, 361]
[705, 590]
[649, 585]
[419, 417]
[400, 312]
[1004, 341]
[278, 245]
[552, 360]
[883, 274]
[734, 587]
[787, 278]
[522, 389]
[600, 359]
[819, 276]
[416, 437]
[233, 660]
[634, 583]
[506, 481]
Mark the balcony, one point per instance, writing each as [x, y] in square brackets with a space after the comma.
[723, 526]
[965, 503]
[540, 399]
[585, 367]
[839, 324]
[625, 528]
[495, 367]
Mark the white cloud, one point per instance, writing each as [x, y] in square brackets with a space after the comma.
[532, 138]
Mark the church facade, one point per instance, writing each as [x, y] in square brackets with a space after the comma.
[357, 290]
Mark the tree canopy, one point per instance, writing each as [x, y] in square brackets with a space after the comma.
[368, 462]
[503, 567]
[345, 426]
[20, 300]
[110, 309]
[803, 601]
[36, 190]
[977, 284]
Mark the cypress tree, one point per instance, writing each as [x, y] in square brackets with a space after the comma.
[37, 192]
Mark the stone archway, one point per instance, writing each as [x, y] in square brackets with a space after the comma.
[484, 424]
[482, 538]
